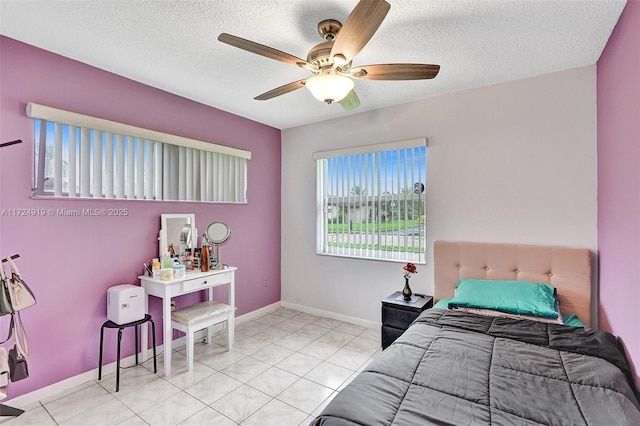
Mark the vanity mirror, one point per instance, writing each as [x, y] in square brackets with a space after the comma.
[216, 234]
[177, 231]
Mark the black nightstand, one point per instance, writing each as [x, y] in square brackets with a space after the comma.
[398, 314]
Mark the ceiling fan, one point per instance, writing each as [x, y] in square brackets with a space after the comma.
[331, 61]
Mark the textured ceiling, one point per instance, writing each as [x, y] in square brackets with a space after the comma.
[172, 45]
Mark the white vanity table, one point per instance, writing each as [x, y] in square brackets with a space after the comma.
[194, 281]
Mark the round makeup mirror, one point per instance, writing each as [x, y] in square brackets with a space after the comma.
[216, 234]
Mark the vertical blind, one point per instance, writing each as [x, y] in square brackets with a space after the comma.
[88, 157]
[371, 201]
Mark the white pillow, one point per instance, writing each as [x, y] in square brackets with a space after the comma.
[492, 313]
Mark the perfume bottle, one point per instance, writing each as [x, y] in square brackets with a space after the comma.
[204, 258]
[166, 262]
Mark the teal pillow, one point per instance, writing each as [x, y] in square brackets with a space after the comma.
[516, 297]
[572, 320]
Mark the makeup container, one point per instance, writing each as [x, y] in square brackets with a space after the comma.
[179, 271]
[166, 274]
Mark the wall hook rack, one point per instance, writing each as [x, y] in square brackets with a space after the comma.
[15, 256]
[6, 410]
[2, 145]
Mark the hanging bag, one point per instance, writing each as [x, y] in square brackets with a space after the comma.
[5, 299]
[18, 368]
[17, 359]
[15, 295]
[16, 323]
[20, 294]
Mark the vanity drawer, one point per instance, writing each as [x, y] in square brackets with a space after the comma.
[204, 282]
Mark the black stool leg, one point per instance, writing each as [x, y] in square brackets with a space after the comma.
[100, 360]
[153, 338]
[136, 327]
[118, 362]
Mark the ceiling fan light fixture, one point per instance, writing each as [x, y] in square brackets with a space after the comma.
[329, 87]
[331, 60]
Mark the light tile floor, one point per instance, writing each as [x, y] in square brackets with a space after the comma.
[284, 369]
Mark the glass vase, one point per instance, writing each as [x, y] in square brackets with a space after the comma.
[406, 291]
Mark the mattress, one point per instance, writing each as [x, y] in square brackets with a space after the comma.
[455, 368]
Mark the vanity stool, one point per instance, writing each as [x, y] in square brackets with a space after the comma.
[120, 327]
[202, 315]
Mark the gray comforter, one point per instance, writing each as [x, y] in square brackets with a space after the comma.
[451, 368]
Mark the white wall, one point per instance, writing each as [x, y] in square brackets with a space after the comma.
[514, 162]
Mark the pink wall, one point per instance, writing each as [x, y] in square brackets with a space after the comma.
[71, 261]
[619, 181]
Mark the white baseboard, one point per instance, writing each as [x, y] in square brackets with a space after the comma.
[27, 399]
[23, 401]
[332, 315]
[257, 313]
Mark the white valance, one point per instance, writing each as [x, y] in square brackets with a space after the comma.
[56, 115]
[366, 149]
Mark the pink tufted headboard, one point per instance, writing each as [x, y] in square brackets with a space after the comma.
[568, 269]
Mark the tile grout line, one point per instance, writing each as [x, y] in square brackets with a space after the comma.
[273, 328]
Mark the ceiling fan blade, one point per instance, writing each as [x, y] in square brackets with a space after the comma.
[260, 49]
[290, 87]
[359, 27]
[351, 101]
[395, 72]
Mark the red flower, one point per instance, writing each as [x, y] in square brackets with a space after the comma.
[409, 269]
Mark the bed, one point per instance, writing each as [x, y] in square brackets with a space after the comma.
[453, 367]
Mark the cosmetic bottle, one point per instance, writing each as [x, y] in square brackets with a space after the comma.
[166, 262]
[155, 268]
[204, 258]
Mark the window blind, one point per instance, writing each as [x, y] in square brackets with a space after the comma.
[371, 202]
[88, 157]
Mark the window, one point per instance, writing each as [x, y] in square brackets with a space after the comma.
[371, 201]
[81, 156]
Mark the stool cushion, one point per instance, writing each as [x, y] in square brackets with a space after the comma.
[198, 312]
